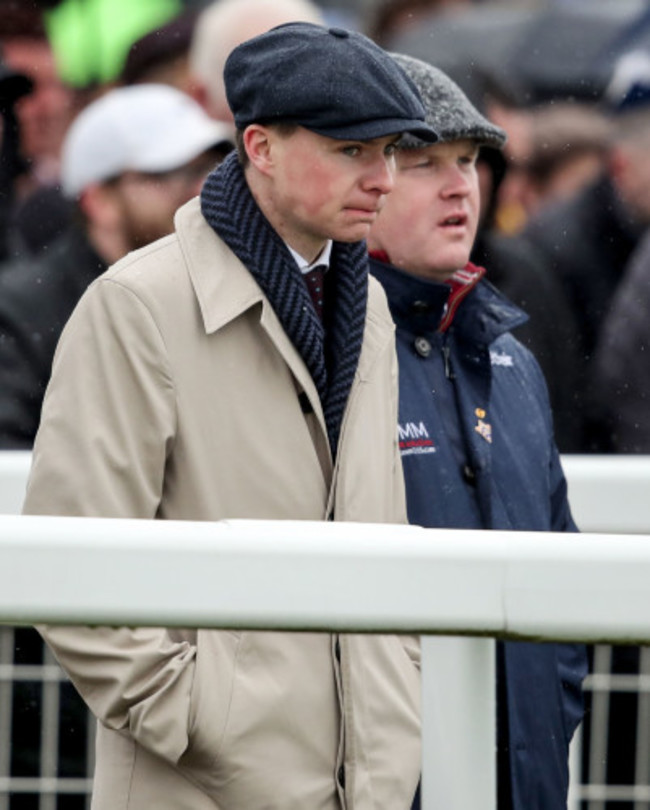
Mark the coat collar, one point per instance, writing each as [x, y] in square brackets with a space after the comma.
[482, 313]
[223, 286]
[225, 289]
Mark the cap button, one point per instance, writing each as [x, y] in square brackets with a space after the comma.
[341, 33]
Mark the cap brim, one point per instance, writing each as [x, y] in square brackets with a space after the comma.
[368, 130]
[494, 139]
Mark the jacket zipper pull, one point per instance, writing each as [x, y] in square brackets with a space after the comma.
[446, 356]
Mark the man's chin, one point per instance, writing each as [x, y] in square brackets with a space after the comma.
[353, 233]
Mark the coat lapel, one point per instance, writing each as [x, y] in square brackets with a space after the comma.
[225, 290]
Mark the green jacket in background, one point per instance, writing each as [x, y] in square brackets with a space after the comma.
[91, 38]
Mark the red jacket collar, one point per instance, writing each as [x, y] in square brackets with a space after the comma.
[461, 284]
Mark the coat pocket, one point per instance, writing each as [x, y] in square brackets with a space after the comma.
[210, 702]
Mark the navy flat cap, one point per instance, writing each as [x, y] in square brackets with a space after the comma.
[332, 81]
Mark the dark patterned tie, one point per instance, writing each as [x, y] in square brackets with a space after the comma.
[315, 279]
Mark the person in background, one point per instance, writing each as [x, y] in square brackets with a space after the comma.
[37, 214]
[92, 38]
[587, 240]
[554, 150]
[221, 26]
[130, 159]
[614, 268]
[621, 372]
[387, 19]
[161, 56]
[13, 86]
[223, 373]
[620, 385]
[475, 426]
[46, 112]
[516, 270]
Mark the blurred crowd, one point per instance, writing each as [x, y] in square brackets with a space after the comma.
[113, 112]
[566, 206]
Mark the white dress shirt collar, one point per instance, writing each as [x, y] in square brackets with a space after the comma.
[323, 258]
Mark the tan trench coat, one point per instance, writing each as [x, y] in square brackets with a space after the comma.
[174, 395]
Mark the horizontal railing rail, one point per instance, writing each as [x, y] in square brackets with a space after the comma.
[317, 576]
[608, 493]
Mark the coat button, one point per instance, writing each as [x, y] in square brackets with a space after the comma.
[340, 775]
[469, 475]
[422, 346]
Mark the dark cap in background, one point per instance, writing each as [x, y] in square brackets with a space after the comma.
[332, 81]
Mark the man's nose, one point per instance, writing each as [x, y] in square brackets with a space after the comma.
[457, 183]
[382, 174]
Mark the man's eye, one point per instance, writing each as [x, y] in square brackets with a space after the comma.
[469, 160]
[391, 149]
[425, 163]
[351, 151]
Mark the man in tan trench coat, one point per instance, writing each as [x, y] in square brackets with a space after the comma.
[199, 379]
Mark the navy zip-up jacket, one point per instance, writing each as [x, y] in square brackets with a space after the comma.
[476, 437]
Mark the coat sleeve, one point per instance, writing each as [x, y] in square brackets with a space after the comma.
[108, 420]
[109, 413]
[571, 658]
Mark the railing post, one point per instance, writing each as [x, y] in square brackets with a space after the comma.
[458, 723]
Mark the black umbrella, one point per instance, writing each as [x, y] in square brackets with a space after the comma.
[559, 54]
[624, 64]
[529, 55]
[470, 46]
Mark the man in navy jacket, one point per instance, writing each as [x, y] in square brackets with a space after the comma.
[475, 426]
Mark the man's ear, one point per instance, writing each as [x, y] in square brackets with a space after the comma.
[258, 143]
[199, 92]
[93, 202]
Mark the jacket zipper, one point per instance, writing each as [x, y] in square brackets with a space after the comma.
[446, 357]
[337, 461]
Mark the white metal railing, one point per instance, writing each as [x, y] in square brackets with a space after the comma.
[607, 493]
[276, 575]
[14, 468]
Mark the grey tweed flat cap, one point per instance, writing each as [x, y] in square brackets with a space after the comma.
[448, 110]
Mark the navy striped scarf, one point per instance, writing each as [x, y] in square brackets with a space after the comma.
[229, 208]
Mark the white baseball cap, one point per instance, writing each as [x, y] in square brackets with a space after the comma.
[142, 128]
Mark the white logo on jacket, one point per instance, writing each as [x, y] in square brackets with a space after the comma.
[501, 359]
[414, 439]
